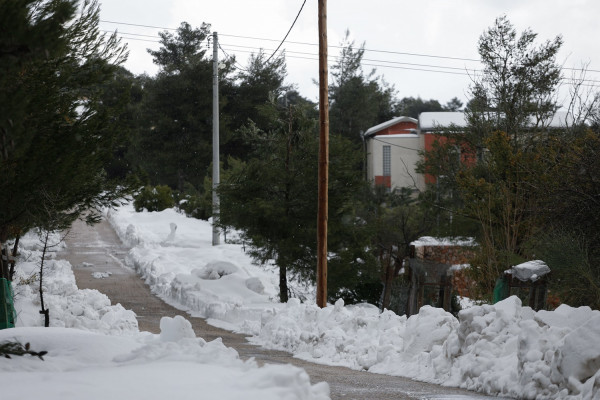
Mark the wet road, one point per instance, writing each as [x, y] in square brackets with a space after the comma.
[98, 249]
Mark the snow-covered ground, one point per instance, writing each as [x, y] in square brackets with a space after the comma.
[503, 349]
[107, 357]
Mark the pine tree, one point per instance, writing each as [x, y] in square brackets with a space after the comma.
[272, 196]
[173, 141]
[491, 167]
[358, 100]
[56, 133]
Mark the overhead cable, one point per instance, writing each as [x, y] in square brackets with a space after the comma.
[288, 32]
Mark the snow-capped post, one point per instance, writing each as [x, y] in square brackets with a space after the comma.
[323, 159]
[215, 172]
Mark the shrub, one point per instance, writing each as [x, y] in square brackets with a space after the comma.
[196, 203]
[154, 198]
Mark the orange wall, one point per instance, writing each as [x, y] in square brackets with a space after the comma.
[399, 128]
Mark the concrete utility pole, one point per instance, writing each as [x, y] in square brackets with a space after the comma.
[322, 214]
[216, 239]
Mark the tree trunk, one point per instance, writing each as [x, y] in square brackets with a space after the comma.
[4, 263]
[44, 311]
[14, 254]
[387, 284]
[283, 288]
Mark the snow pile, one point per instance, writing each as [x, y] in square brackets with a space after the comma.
[69, 306]
[444, 241]
[175, 255]
[503, 349]
[176, 364]
[529, 271]
[107, 356]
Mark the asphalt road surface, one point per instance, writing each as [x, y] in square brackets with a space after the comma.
[100, 246]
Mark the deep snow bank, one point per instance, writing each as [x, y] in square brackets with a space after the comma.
[174, 364]
[107, 356]
[175, 255]
[503, 349]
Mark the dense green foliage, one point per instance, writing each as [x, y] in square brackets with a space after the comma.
[272, 195]
[154, 198]
[412, 107]
[56, 133]
[358, 100]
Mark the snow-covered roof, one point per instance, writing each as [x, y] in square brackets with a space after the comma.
[432, 120]
[399, 136]
[374, 129]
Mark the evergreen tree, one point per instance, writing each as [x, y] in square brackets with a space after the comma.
[173, 144]
[413, 107]
[125, 91]
[260, 84]
[272, 197]
[358, 100]
[453, 105]
[57, 135]
[516, 90]
[491, 167]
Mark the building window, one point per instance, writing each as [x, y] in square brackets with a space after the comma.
[387, 161]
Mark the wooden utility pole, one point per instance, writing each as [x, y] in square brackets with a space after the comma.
[323, 159]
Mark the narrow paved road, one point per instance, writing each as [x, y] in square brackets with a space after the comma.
[100, 247]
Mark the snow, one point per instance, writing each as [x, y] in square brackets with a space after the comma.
[433, 120]
[530, 270]
[445, 241]
[505, 349]
[85, 365]
[106, 356]
[71, 307]
[430, 121]
[214, 282]
[374, 129]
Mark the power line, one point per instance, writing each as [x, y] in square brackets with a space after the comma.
[331, 46]
[232, 58]
[372, 62]
[128, 33]
[366, 49]
[306, 43]
[364, 59]
[397, 64]
[393, 144]
[139, 25]
[288, 32]
[334, 58]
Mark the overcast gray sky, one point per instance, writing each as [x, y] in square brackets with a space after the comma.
[438, 28]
